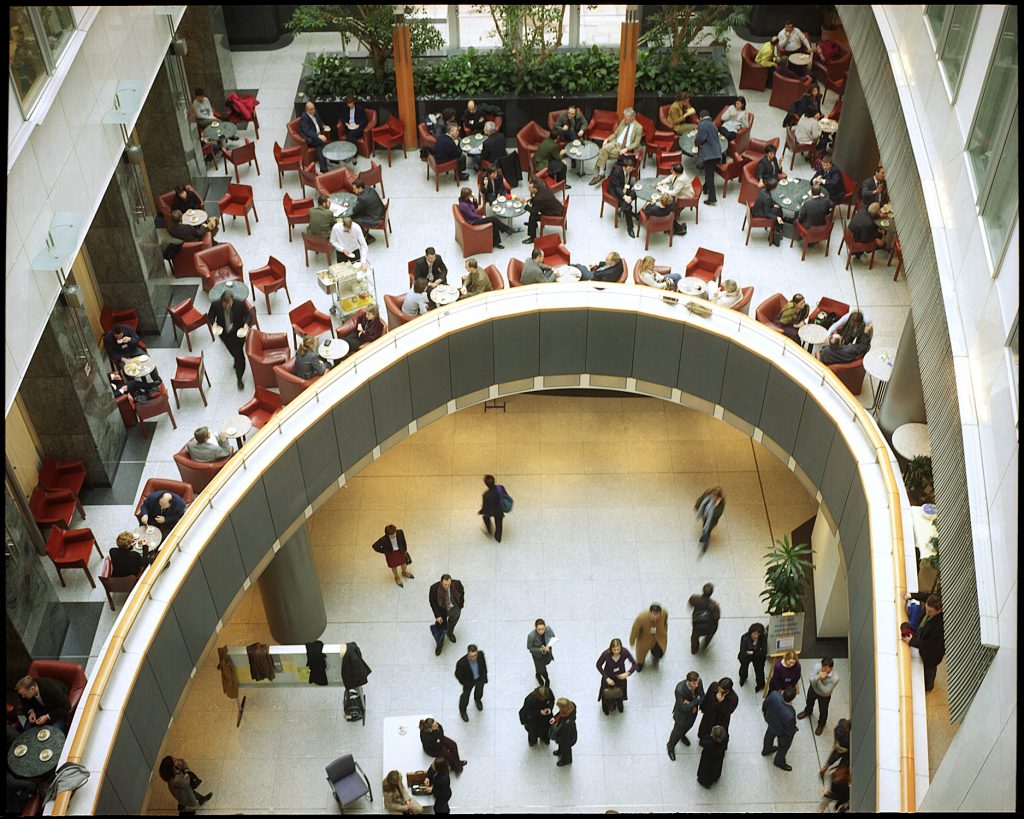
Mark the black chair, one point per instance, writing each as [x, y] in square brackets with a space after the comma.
[348, 780]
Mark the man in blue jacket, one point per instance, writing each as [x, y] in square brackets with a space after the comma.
[709, 154]
[315, 133]
[447, 149]
[781, 718]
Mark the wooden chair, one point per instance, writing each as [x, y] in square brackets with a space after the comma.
[185, 317]
[242, 155]
[269, 279]
[189, 375]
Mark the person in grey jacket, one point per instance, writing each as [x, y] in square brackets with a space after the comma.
[202, 449]
[535, 271]
[538, 643]
[781, 718]
[709, 154]
[368, 209]
[820, 686]
[689, 696]
[307, 361]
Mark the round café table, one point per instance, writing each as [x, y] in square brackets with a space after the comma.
[148, 539]
[644, 188]
[194, 217]
[342, 203]
[567, 273]
[828, 126]
[687, 146]
[790, 193]
[339, 151]
[237, 427]
[472, 144]
[812, 334]
[800, 62]
[138, 367]
[40, 756]
[219, 128]
[692, 286]
[911, 440]
[878, 365]
[444, 294]
[508, 209]
[581, 151]
[239, 290]
[333, 349]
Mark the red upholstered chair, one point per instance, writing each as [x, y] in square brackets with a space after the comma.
[608, 199]
[827, 305]
[758, 148]
[427, 139]
[555, 253]
[786, 91]
[743, 305]
[264, 350]
[288, 384]
[71, 674]
[269, 279]
[153, 408]
[663, 269]
[308, 154]
[64, 475]
[665, 160]
[514, 272]
[741, 142]
[472, 239]
[663, 117]
[219, 263]
[528, 138]
[109, 317]
[242, 155]
[769, 309]
[833, 70]
[373, 176]
[497, 282]
[165, 203]
[856, 247]
[188, 375]
[55, 508]
[296, 211]
[71, 549]
[657, 224]
[553, 186]
[706, 265]
[307, 320]
[183, 265]
[730, 170]
[851, 374]
[112, 585]
[364, 145]
[396, 316]
[795, 147]
[553, 117]
[451, 166]
[307, 178]
[209, 153]
[197, 474]
[164, 485]
[238, 201]
[252, 312]
[389, 135]
[287, 159]
[318, 244]
[384, 224]
[752, 75]
[693, 202]
[559, 221]
[748, 186]
[750, 222]
[837, 109]
[349, 326]
[185, 317]
[808, 235]
[340, 179]
[601, 125]
[263, 406]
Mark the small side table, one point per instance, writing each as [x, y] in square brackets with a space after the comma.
[911, 441]
[878, 365]
[811, 334]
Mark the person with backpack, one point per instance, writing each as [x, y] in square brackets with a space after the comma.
[496, 504]
[706, 614]
[709, 508]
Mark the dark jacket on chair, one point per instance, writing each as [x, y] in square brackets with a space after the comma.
[814, 211]
[316, 662]
[494, 148]
[608, 272]
[764, 206]
[464, 674]
[354, 671]
[545, 203]
[863, 227]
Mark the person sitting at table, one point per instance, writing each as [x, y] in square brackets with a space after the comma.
[476, 280]
[44, 701]
[728, 294]
[608, 271]
[809, 105]
[354, 119]
[621, 172]
[368, 209]
[542, 202]
[348, 241]
[793, 316]
[416, 302]
[682, 116]
[121, 342]
[815, 209]
[202, 449]
[660, 205]
[625, 139]
[186, 199]
[850, 326]
[839, 353]
[570, 125]
[652, 278]
[549, 156]
[863, 227]
[493, 150]
[470, 210]
[162, 509]
[494, 185]
[447, 149]
[202, 108]
[678, 186]
[313, 130]
[431, 267]
[828, 51]
[765, 207]
[768, 166]
[308, 363]
[767, 56]
[830, 177]
[186, 233]
[437, 123]
[131, 387]
[734, 119]
[396, 798]
[321, 218]
[873, 189]
[369, 327]
[807, 132]
[124, 560]
[793, 41]
[535, 271]
[472, 119]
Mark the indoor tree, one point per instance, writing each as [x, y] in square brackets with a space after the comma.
[529, 33]
[786, 567]
[677, 26]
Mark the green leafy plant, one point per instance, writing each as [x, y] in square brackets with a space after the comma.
[786, 567]
[696, 73]
[918, 480]
[677, 27]
[333, 75]
[529, 33]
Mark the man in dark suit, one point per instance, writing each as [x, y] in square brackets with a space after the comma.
[447, 148]
[689, 696]
[838, 353]
[120, 343]
[162, 509]
[709, 154]
[432, 268]
[353, 120]
[368, 209]
[930, 638]
[832, 178]
[873, 189]
[447, 599]
[768, 167]
[315, 133]
[815, 209]
[471, 672]
[542, 203]
[44, 702]
[494, 145]
[765, 207]
[610, 270]
[781, 718]
[863, 227]
[233, 319]
[618, 178]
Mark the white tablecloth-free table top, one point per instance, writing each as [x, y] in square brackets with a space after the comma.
[403, 752]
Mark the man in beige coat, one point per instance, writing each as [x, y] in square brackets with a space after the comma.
[624, 139]
[650, 633]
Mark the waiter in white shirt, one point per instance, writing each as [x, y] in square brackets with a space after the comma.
[349, 242]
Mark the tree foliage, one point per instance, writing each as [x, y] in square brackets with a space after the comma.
[529, 33]
[786, 567]
[676, 27]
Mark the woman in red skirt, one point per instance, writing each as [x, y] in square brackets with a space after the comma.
[393, 547]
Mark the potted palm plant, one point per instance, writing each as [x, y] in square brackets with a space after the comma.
[786, 567]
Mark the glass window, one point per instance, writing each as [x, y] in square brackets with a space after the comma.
[1013, 360]
[58, 26]
[601, 25]
[1001, 204]
[476, 28]
[438, 16]
[998, 95]
[28, 68]
[936, 18]
[957, 42]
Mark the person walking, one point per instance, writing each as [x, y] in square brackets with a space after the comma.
[719, 704]
[753, 651]
[612, 667]
[439, 784]
[820, 686]
[494, 506]
[785, 672]
[471, 672]
[182, 783]
[231, 320]
[712, 755]
[447, 599]
[838, 791]
[709, 154]
[563, 730]
[840, 748]
[709, 507]
[706, 615]
[435, 743]
[538, 643]
[395, 552]
[650, 633]
[781, 718]
[689, 697]
[535, 714]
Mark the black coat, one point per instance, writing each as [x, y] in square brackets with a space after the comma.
[115, 351]
[491, 504]
[441, 789]
[494, 148]
[464, 674]
[368, 207]
[686, 700]
[930, 640]
[564, 731]
[780, 715]
[764, 206]
[383, 544]
[760, 650]
[353, 670]
[712, 756]
[54, 695]
[125, 562]
[715, 712]
[545, 203]
[768, 168]
[446, 149]
[437, 595]
[608, 272]
[814, 211]
[239, 315]
[431, 740]
[421, 268]
[863, 227]
[530, 716]
[317, 663]
[617, 181]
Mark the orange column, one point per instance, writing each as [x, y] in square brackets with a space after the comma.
[402, 45]
[627, 58]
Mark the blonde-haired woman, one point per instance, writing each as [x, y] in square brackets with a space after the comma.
[307, 361]
[563, 730]
[648, 273]
[396, 798]
[729, 294]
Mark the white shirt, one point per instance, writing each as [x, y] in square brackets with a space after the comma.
[807, 130]
[734, 119]
[792, 42]
[394, 542]
[415, 304]
[203, 109]
[349, 240]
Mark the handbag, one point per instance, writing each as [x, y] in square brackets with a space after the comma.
[414, 778]
[506, 500]
[703, 623]
[408, 559]
[613, 693]
[193, 779]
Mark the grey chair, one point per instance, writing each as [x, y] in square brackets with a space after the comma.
[348, 780]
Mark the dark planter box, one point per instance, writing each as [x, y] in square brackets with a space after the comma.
[767, 21]
[256, 25]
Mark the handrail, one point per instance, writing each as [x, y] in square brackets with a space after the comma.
[469, 312]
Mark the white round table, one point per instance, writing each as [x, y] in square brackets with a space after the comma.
[811, 334]
[828, 126]
[911, 440]
[878, 365]
[567, 273]
[194, 217]
[237, 427]
[333, 349]
[339, 151]
[139, 367]
[444, 294]
[692, 286]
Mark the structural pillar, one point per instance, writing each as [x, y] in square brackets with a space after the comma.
[628, 45]
[903, 402]
[855, 150]
[291, 594]
[402, 43]
[208, 63]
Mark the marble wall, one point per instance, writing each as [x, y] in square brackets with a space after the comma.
[202, 62]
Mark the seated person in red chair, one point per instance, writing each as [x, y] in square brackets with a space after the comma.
[624, 139]
[416, 302]
[494, 185]
[184, 199]
[475, 116]
[793, 316]
[315, 133]
[815, 209]
[231, 320]
[368, 327]
[493, 150]
[470, 212]
[542, 203]
[768, 166]
[189, 233]
[44, 701]
[534, 269]
[430, 266]
[570, 125]
[830, 176]
[368, 209]
[131, 387]
[734, 119]
[863, 227]
[125, 561]
[437, 123]
[838, 353]
[162, 509]
[765, 207]
[321, 218]
[354, 119]
[678, 186]
[619, 177]
[202, 449]
[792, 41]
[308, 363]
[447, 149]
[662, 206]
[610, 270]
[550, 156]
[121, 342]
[848, 328]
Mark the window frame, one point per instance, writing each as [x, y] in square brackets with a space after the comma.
[1013, 371]
[50, 62]
[941, 40]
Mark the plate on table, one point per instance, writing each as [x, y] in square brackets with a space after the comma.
[21, 750]
[787, 201]
[501, 198]
[45, 755]
[805, 196]
[576, 142]
[230, 431]
[884, 223]
[783, 182]
[43, 735]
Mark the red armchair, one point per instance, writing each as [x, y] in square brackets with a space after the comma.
[307, 178]
[188, 375]
[349, 326]
[706, 265]
[307, 320]
[752, 75]
[822, 233]
[427, 139]
[109, 317]
[608, 199]
[384, 224]
[795, 147]
[288, 384]
[55, 508]
[827, 305]
[71, 674]
[451, 166]
[769, 309]
[269, 279]
[396, 315]
[749, 188]
[296, 211]
[242, 155]
[165, 203]
[264, 350]
[743, 305]
[514, 272]
[164, 485]
[185, 317]
[183, 265]
[833, 71]
[263, 406]
[856, 247]
[665, 160]
[657, 224]
[730, 170]
[472, 239]
[197, 474]
[153, 408]
[528, 138]
[112, 585]
[373, 176]
[663, 117]
[67, 475]
[318, 244]
[389, 135]
[553, 186]
[601, 125]
[220, 263]
[71, 549]
[750, 222]
[340, 179]
[758, 148]
[851, 374]
[497, 283]
[693, 202]
[364, 145]
[559, 221]
[786, 91]
[238, 201]
[555, 253]
[297, 139]
[287, 159]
